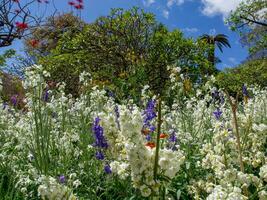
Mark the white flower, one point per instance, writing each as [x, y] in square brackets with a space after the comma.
[145, 191]
[263, 172]
[76, 183]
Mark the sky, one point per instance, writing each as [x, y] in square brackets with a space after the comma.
[193, 17]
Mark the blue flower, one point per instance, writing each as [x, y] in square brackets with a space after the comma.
[62, 179]
[5, 104]
[217, 114]
[215, 94]
[14, 100]
[107, 169]
[117, 115]
[244, 90]
[99, 155]
[100, 140]
[173, 137]
[46, 95]
[148, 137]
[149, 115]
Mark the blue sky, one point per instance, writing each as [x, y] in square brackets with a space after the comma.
[193, 17]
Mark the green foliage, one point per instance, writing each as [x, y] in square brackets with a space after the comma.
[249, 19]
[6, 55]
[250, 73]
[45, 38]
[124, 51]
[109, 49]
[8, 190]
[12, 85]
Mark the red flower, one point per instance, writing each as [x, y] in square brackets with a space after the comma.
[163, 135]
[79, 6]
[21, 26]
[71, 3]
[80, 1]
[150, 144]
[16, 1]
[17, 11]
[34, 43]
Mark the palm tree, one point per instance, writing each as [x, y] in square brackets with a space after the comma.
[220, 41]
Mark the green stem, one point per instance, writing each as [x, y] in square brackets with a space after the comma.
[158, 139]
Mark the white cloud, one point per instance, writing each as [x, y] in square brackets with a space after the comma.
[212, 31]
[165, 13]
[232, 60]
[148, 3]
[170, 3]
[190, 30]
[218, 7]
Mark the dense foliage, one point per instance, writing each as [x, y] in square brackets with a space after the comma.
[119, 50]
[249, 19]
[250, 73]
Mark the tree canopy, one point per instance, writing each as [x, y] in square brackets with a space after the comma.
[120, 48]
[250, 20]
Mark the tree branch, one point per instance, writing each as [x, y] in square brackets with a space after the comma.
[253, 21]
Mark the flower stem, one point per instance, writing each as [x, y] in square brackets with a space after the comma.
[234, 108]
[158, 139]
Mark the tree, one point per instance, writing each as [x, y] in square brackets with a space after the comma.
[109, 48]
[118, 49]
[251, 73]
[43, 39]
[16, 19]
[219, 41]
[249, 19]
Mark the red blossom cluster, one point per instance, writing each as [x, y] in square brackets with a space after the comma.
[150, 144]
[34, 43]
[21, 26]
[78, 4]
[17, 11]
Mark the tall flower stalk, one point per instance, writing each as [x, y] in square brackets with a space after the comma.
[158, 139]
[234, 105]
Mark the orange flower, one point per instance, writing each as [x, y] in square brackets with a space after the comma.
[163, 135]
[145, 131]
[150, 144]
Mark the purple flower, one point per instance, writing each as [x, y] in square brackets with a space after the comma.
[46, 95]
[217, 114]
[148, 137]
[111, 94]
[62, 179]
[5, 104]
[14, 100]
[222, 99]
[100, 140]
[215, 94]
[149, 115]
[99, 155]
[173, 137]
[107, 169]
[117, 115]
[244, 90]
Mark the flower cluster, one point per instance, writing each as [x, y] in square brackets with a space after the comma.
[58, 145]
